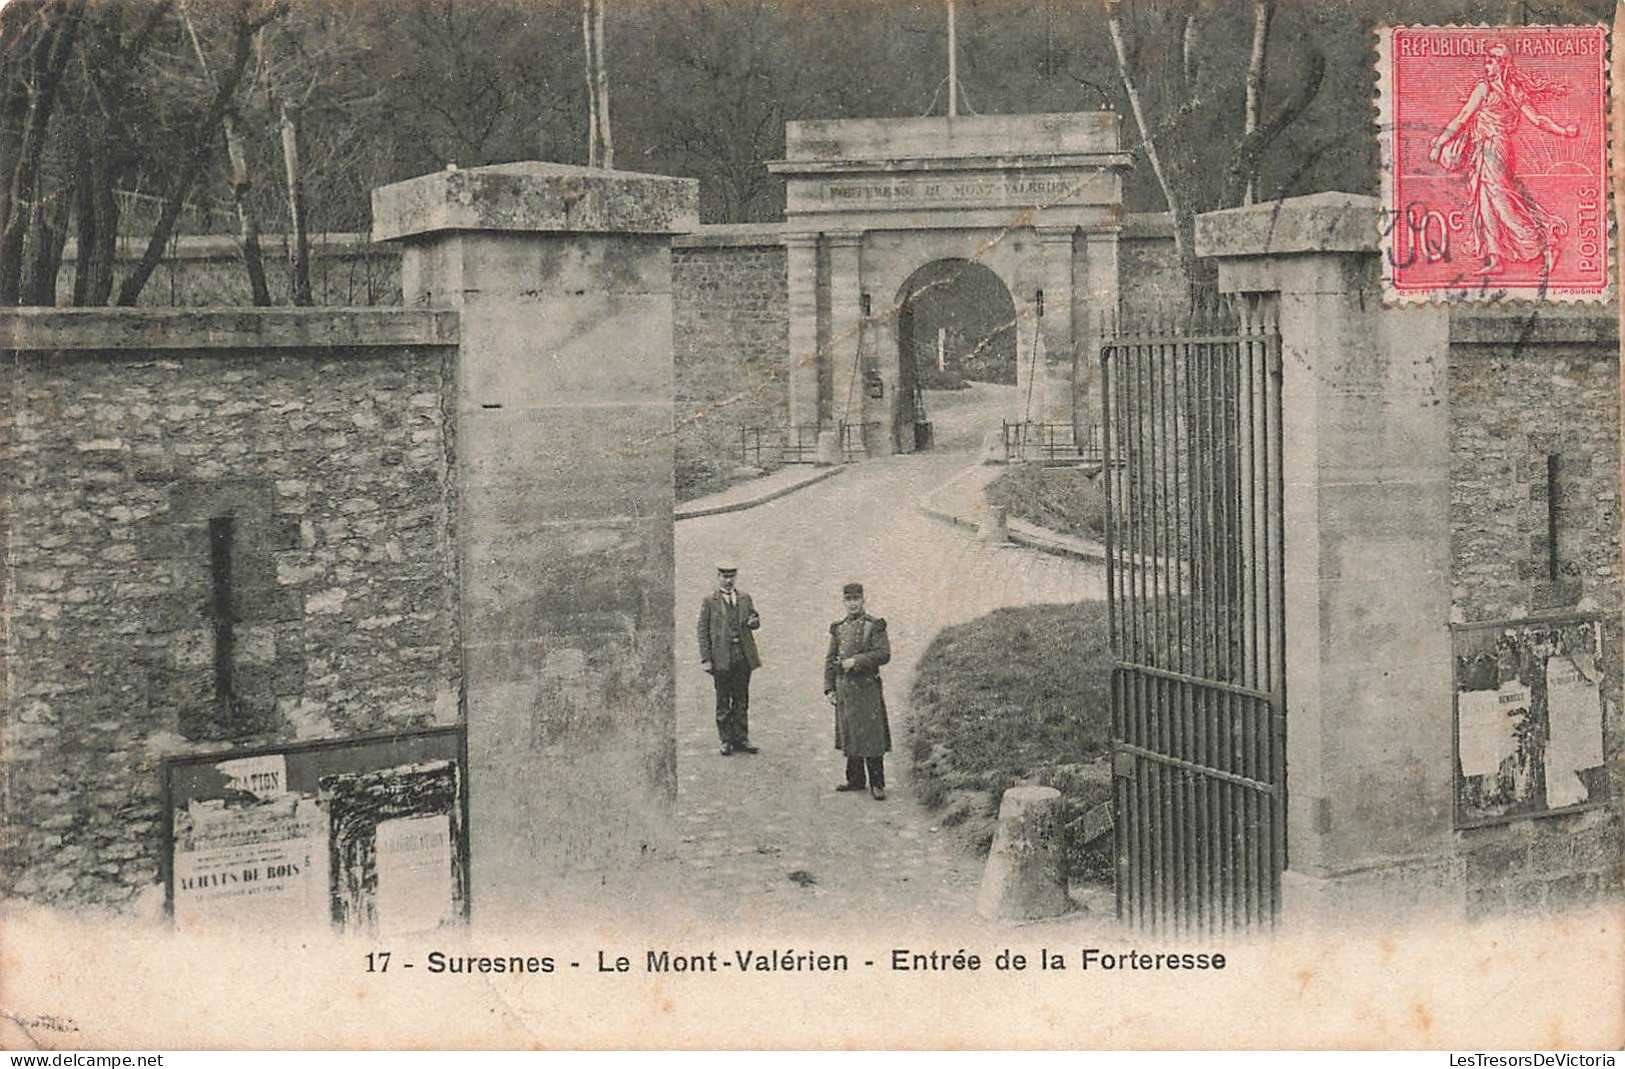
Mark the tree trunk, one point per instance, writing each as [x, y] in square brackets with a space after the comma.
[202, 141]
[299, 251]
[96, 205]
[248, 227]
[1249, 155]
[1176, 86]
[84, 217]
[601, 84]
[111, 63]
[589, 59]
[1115, 25]
[49, 228]
[1262, 12]
[1190, 49]
[106, 245]
[48, 63]
[18, 61]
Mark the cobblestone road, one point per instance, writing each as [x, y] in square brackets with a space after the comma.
[749, 822]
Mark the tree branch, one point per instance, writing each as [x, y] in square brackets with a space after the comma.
[201, 142]
[1115, 26]
[1249, 157]
[1263, 11]
[25, 176]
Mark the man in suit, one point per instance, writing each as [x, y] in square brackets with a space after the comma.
[728, 621]
[858, 646]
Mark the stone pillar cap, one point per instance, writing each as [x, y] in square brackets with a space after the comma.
[1318, 223]
[534, 197]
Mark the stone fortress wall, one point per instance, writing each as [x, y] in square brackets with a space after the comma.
[730, 299]
[1419, 443]
[1521, 393]
[730, 307]
[326, 438]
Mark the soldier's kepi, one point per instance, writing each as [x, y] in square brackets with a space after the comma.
[858, 646]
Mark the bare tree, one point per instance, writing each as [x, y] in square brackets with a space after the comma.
[241, 183]
[714, 106]
[198, 142]
[316, 109]
[470, 81]
[600, 145]
[1262, 11]
[589, 65]
[299, 251]
[602, 83]
[1194, 169]
[42, 58]
[1250, 152]
[247, 217]
[118, 135]
[1114, 25]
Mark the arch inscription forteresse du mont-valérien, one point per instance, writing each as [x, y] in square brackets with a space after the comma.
[1037, 199]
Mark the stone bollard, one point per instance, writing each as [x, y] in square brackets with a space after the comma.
[1023, 880]
[829, 448]
[994, 526]
[994, 450]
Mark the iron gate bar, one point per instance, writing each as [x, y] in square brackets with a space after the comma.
[1157, 648]
[1255, 524]
[1277, 484]
[1212, 638]
[1167, 725]
[1221, 909]
[1235, 651]
[1190, 901]
[1186, 790]
[1175, 582]
[1190, 443]
[1108, 472]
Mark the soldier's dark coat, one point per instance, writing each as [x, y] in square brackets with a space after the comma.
[861, 728]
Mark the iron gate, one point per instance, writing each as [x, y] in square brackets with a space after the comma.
[1194, 577]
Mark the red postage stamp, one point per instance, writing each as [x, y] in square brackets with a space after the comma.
[1494, 162]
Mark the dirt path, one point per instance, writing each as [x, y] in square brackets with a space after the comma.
[766, 841]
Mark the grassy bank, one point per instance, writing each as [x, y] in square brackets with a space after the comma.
[1061, 499]
[1017, 696]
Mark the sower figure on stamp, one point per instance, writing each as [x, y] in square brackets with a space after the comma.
[858, 646]
[1507, 223]
[728, 651]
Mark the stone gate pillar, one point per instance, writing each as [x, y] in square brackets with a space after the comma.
[801, 266]
[845, 325]
[1367, 559]
[1098, 294]
[562, 277]
[1055, 281]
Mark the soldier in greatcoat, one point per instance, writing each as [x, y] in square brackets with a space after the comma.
[858, 646]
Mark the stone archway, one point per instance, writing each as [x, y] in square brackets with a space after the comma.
[956, 323]
[968, 308]
[1037, 199]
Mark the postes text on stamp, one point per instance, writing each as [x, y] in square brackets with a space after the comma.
[1494, 162]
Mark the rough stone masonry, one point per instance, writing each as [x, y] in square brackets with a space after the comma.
[324, 438]
[1532, 398]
